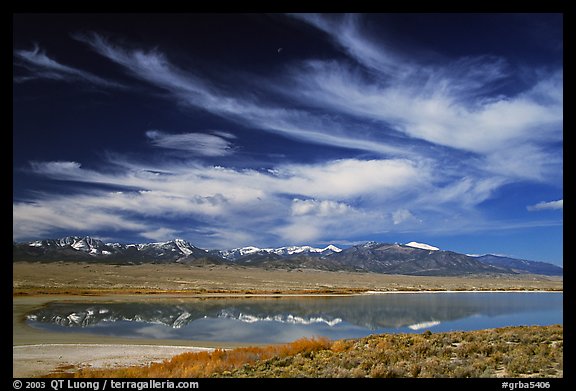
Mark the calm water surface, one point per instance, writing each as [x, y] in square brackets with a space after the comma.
[283, 319]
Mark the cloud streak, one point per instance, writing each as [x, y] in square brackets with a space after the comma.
[191, 89]
[40, 65]
[546, 205]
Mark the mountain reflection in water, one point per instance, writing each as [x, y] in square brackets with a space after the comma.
[287, 318]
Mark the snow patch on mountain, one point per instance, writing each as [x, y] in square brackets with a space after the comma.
[303, 249]
[183, 246]
[332, 248]
[281, 251]
[422, 246]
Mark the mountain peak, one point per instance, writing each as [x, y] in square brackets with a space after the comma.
[332, 248]
[369, 244]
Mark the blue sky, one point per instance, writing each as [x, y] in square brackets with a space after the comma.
[230, 130]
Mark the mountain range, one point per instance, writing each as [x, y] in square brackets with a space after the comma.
[388, 258]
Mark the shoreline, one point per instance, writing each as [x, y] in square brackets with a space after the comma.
[179, 293]
[472, 291]
[42, 359]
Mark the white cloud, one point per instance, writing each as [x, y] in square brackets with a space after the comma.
[453, 104]
[351, 177]
[290, 203]
[317, 208]
[528, 161]
[60, 169]
[547, 205]
[466, 192]
[160, 234]
[338, 179]
[301, 232]
[403, 215]
[196, 143]
[148, 203]
[437, 111]
[41, 216]
[314, 220]
[222, 199]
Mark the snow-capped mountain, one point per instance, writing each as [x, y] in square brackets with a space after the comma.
[239, 253]
[397, 258]
[413, 258]
[175, 249]
[85, 245]
[83, 248]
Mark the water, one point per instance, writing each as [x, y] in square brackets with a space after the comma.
[284, 319]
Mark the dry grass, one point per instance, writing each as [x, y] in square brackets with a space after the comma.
[206, 364]
[526, 351]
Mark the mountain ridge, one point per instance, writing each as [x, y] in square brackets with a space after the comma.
[413, 258]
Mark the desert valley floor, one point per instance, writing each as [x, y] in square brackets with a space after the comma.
[70, 278]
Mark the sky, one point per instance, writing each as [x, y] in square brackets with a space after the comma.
[230, 130]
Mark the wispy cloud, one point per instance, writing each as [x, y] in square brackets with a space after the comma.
[40, 65]
[346, 33]
[218, 199]
[216, 144]
[547, 205]
[46, 213]
[456, 104]
[317, 208]
[338, 179]
[451, 106]
[191, 89]
[402, 216]
[435, 113]
[160, 234]
[288, 203]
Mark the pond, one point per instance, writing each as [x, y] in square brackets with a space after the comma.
[284, 319]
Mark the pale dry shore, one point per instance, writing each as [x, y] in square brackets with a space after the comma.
[37, 353]
[38, 360]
